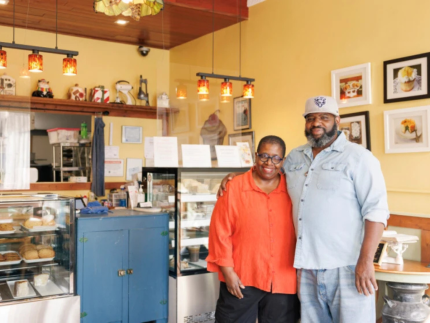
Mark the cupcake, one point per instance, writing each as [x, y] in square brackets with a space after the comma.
[408, 125]
[407, 76]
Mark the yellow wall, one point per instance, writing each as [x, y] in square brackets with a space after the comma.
[291, 47]
[99, 63]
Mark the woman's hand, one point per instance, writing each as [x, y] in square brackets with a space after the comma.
[224, 182]
[232, 280]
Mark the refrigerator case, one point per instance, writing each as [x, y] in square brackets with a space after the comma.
[189, 196]
[37, 248]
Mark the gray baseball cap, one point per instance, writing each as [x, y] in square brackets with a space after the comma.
[321, 104]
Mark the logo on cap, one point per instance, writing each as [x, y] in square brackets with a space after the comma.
[320, 101]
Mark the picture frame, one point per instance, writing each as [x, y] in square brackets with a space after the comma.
[247, 136]
[131, 135]
[351, 86]
[398, 72]
[407, 130]
[241, 114]
[356, 127]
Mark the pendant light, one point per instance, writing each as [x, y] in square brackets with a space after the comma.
[181, 92]
[203, 86]
[35, 62]
[70, 66]
[225, 99]
[3, 58]
[248, 90]
[226, 88]
[23, 73]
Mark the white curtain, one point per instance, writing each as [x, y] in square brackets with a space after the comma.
[14, 150]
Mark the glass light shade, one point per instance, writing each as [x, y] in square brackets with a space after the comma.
[3, 59]
[248, 91]
[203, 97]
[181, 92]
[70, 66]
[203, 86]
[225, 99]
[226, 88]
[24, 73]
[35, 63]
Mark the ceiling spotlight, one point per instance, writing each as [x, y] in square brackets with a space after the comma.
[121, 22]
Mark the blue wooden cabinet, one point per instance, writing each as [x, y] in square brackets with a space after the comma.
[122, 267]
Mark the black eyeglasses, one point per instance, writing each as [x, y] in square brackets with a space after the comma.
[265, 158]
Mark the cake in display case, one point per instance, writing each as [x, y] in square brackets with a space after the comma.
[36, 247]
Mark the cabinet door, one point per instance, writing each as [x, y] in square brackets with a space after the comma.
[148, 285]
[104, 295]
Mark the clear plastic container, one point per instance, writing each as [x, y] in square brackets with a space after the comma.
[63, 135]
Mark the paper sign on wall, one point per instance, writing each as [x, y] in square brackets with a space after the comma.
[228, 156]
[149, 147]
[196, 156]
[114, 167]
[134, 166]
[245, 154]
[111, 152]
[165, 152]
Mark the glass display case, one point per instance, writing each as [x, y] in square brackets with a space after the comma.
[36, 247]
[189, 196]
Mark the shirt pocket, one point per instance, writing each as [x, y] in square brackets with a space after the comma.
[330, 176]
[293, 173]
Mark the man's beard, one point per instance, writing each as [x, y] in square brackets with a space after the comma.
[324, 139]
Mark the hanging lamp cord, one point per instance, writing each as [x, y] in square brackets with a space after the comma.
[213, 34]
[162, 24]
[13, 42]
[240, 39]
[56, 24]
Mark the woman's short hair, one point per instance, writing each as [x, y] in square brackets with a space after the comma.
[272, 140]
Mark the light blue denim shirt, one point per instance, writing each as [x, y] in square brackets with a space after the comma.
[332, 195]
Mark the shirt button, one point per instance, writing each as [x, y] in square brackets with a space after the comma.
[312, 169]
[300, 219]
[270, 210]
[271, 255]
[302, 200]
[273, 272]
[306, 185]
[300, 238]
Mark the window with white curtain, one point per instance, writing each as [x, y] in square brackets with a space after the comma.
[14, 150]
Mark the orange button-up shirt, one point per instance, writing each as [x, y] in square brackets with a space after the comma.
[253, 232]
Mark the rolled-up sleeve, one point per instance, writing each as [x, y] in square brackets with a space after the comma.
[370, 189]
[220, 232]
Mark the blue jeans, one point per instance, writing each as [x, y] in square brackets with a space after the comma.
[329, 295]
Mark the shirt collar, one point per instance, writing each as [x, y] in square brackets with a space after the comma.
[249, 184]
[337, 145]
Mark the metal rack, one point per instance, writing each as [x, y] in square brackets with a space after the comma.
[74, 159]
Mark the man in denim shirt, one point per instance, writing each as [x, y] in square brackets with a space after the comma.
[339, 210]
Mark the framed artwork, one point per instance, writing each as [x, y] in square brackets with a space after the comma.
[247, 136]
[407, 78]
[356, 128]
[380, 252]
[407, 130]
[351, 86]
[241, 114]
[131, 135]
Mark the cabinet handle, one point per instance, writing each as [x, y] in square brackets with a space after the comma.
[130, 271]
[121, 272]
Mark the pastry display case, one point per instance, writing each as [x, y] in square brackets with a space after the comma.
[36, 248]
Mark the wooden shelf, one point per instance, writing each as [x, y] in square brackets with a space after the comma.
[81, 107]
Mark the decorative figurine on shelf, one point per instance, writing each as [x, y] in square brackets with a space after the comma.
[163, 101]
[43, 90]
[7, 85]
[76, 93]
[213, 132]
[99, 94]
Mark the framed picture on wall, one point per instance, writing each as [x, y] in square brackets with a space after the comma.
[351, 86]
[356, 128]
[407, 130]
[247, 136]
[241, 114]
[407, 78]
[131, 135]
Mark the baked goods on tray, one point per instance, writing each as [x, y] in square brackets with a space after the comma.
[31, 252]
[6, 227]
[41, 279]
[21, 288]
[32, 222]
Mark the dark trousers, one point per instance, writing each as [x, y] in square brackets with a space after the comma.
[268, 307]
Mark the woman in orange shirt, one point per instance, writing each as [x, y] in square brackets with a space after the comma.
[252, 243]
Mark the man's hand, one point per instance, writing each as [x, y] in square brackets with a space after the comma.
[223, 184]
[365, 281]
[232, 281]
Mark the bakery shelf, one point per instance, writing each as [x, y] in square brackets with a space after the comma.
[197, 197]
[24, 265]
[194, 242]
[191, 223]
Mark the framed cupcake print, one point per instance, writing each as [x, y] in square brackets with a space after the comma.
[351, 86]
[407, 78]
[407, 130]
[241, 114]
[355, 127]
